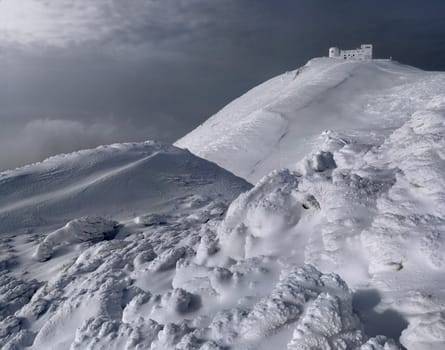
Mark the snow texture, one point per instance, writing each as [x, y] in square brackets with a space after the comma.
[275, 124]
[86, 229]
[339, 245]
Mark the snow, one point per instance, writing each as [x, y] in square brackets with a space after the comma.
[147, 175]
[338, 245]
[364, 193]
[68, 224]
[86, 229]
[275, 124]
[375, 217]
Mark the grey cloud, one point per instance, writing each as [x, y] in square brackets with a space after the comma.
[41, 138]
[155, 69]
[63, 23]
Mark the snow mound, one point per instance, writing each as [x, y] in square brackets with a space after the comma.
[86, 229]
[167, 259]
[275, 124]
[257, 222]
[120, 181]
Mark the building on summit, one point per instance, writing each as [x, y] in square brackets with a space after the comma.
[361, 54]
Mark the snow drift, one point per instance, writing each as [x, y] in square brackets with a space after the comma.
[117, 181]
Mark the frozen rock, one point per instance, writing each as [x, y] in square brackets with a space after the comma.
[44, 251]
[267, 316]
[320, 304]
[101, 333]
[208, 246]
[327, 323]
[170, 336]
[262, 215]
[380, 343]
[181, 301]
[85, 229]
[225, 326]
[15, 293]
[167, 259]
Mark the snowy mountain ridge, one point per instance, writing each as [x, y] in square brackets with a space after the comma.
[339, 245]
[73, 185]
[275, 124]
[365, 191]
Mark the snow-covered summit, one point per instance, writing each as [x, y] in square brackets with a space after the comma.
[276, 123]
[351, 166]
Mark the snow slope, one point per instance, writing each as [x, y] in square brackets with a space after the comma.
[117, 181]
[364, 199]
[144, 269]
[276, 123]
[51, 212]
[375, 215]
[146, 246]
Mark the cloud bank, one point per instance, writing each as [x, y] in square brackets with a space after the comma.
[41, 138]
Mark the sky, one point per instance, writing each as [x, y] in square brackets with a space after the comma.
[77, 74]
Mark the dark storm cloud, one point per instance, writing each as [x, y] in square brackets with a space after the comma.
[108, 70]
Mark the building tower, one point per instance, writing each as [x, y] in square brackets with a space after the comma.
[334, 52]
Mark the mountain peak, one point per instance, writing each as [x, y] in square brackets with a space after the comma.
[276, 123]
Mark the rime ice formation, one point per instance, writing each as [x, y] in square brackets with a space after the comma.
[339, 245]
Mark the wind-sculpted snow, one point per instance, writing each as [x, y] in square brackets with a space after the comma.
[109, 181]
[72, 237]
[150, 289]
[86, 229]
[135, 293]
[364, 199]
[375, 215]
[148, 247]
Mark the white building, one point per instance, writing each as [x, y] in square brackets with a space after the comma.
[362, 53]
